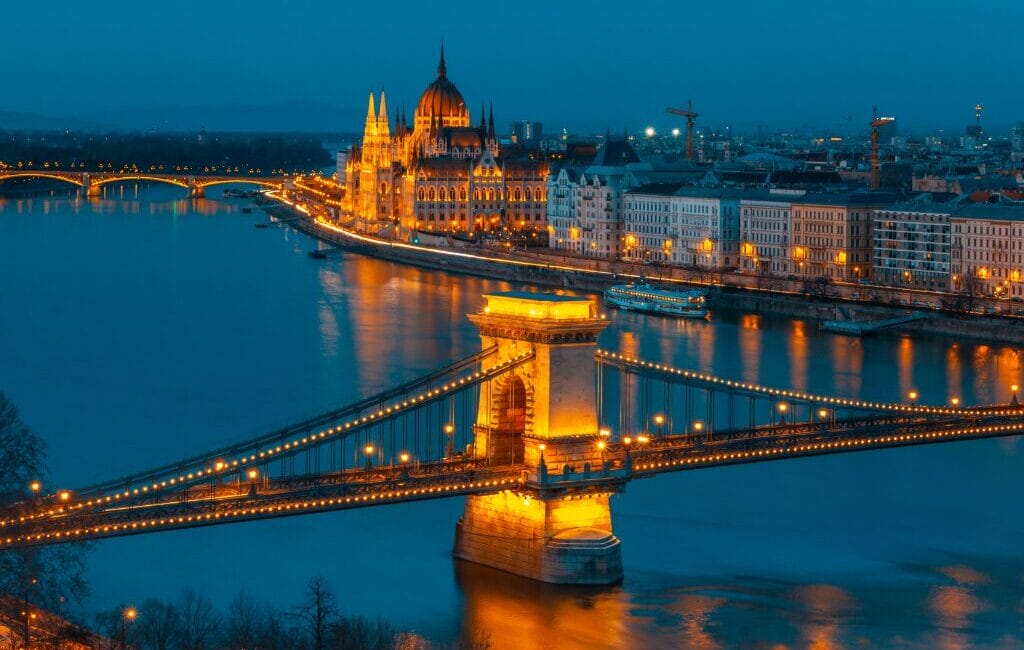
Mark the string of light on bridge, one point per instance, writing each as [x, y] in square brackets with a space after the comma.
[70, 534]
[849, 445]
[479, 487]
[220, 466]
[798, 395]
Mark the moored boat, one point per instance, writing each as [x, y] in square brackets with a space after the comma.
[644, 297]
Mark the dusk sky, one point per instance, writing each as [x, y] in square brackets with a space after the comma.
[585, 66]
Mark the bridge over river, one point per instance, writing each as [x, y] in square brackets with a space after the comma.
[515, 429]
[92, 182]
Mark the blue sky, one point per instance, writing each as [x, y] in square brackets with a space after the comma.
[583, 65]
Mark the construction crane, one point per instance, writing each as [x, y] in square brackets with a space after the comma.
[876, 123]
[690, 117]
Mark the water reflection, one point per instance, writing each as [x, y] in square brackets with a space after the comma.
[809, 553]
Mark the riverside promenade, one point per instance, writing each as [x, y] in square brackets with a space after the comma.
[731, 291]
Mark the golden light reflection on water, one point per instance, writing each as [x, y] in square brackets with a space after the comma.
[750, 346]
[797, 341]
[954, 607]
[825, 608]
[847, 365]
[905, 365]
[695, 614]
[518, 613]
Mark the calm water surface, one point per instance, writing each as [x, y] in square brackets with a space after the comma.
[142, 328]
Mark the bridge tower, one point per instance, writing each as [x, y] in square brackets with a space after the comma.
[92, 190]
[544, 417]
[195, 191]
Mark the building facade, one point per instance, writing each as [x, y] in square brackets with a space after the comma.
[765, 231]
[706, 228]
[441, 173]
[647, 221]
[593, 226]
[912, 246]
[987, 254]
[831, 234]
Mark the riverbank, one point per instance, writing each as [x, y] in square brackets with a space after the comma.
[552, 272]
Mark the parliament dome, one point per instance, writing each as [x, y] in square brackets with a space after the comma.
[442, 99]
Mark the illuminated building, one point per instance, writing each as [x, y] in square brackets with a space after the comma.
[648, 224]
[440, 173]
[832, 234]
[912, 245]
[706, 223]
[988, 249]
[765, 235]
[592, 223]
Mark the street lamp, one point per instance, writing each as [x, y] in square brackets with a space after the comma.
[955, 401]
[783, 407]
[1013, 400]
[128, 616]
[912, 396]
[698, 426]
[368, 450]
[659, 420]
[449, 429]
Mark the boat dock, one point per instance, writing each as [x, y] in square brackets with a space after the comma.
[868, 327]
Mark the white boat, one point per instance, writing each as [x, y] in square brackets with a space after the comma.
[644, 297]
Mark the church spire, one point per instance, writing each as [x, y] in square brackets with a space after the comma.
[382, 115]
[442, 69]
[371, 112]
[483, 116]
[490, 123]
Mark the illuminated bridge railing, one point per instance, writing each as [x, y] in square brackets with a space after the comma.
[249, 501]
[420, 422]
[641, 397]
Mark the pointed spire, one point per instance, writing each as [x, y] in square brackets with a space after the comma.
[382, 116]
[371, 112]
[382, 113]
[483, 116]
[490, 123]
[442, 69]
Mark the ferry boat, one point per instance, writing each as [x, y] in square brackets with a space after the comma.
[644, 297]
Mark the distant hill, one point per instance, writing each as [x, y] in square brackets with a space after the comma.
[303, 116]
[291, 116]
[35, 122]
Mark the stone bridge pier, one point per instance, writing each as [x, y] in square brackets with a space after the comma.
[92, 190]
[542, 415]
[195, 191]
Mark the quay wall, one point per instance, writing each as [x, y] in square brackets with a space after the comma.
[992, 329]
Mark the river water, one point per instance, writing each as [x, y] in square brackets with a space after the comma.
[142, 327]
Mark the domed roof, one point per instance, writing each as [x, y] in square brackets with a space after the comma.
[441, 98]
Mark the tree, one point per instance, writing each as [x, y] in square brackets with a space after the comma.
[199, 622]
[158, 625]
[242, 624]
[318, 611]
[47, 577]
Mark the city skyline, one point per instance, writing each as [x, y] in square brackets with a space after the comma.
[742, 65]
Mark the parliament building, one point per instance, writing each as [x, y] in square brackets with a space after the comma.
[441, 173]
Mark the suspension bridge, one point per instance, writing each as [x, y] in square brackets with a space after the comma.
[537, 431]
[92, 182]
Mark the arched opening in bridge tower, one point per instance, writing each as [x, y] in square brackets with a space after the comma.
[508, 444]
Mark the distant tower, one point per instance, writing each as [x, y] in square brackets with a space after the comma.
[975, 131]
